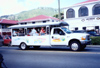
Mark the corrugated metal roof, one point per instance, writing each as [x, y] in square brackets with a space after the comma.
[38, 18]
[4, 21]
[85, 2]
[88, 1]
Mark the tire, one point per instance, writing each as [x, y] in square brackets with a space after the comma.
[3, 44]
[9, 44]
[83, 47]
[23, 46]
[75, 46]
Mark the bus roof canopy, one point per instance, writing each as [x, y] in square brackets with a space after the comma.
[39, 25]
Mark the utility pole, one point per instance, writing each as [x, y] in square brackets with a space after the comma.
[59, 10]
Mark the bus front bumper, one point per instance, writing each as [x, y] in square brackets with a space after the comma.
[86, 42]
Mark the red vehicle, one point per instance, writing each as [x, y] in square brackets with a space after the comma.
[7, 40]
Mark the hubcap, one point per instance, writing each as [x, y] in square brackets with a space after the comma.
[74, 46]
[23, 46]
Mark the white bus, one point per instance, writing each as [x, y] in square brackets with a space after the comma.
[56, 34]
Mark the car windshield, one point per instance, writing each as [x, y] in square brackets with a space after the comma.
[66, 30]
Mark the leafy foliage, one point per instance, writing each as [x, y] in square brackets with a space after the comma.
[57, 16]
[95, 40]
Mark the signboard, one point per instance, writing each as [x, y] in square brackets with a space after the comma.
[90, 19]
[6, 30]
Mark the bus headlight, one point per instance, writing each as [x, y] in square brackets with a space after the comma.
[83, 38]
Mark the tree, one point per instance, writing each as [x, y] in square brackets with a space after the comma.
[57, 16]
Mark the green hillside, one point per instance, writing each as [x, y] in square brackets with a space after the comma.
[32, 13]
[36, 12]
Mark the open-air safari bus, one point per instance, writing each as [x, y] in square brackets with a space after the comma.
[56, 34]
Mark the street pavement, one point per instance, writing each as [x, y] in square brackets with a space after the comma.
[47, 57]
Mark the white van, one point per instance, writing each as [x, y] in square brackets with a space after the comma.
[56, 34]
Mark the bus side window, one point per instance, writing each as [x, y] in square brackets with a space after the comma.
[43, 31]
[48, 30]
[29, 31]
[58, 31]
[14, 32]
[55, 31]
[21, 32]
[61, 32]
[25, 31]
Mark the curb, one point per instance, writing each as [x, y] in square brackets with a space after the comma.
[93, 45]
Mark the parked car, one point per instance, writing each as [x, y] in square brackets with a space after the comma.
[7, 40]
[79, 31]
[1, 40]
[91, 33]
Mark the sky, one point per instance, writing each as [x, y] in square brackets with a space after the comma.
[8, 7]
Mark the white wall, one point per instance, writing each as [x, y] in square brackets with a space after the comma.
[86, 21]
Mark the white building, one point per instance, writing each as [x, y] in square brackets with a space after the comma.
[4, 24]
[84, 15]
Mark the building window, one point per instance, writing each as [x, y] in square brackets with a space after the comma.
[4, 26]
[33, 22]
[96, 9]
[83, 11]
[96, 27]
[44, 21]
[22, 23]
[84, 28]
[70, 13]
[52, 20]
[25, 22]
[76, 28]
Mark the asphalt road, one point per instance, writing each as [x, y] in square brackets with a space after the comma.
[51, 58]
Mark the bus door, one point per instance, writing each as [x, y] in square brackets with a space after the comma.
[58, 37]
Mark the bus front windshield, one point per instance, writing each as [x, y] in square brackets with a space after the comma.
[66, 30]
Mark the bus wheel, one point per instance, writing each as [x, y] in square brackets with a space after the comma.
[75, 46]
[83, 47]
[23, 46]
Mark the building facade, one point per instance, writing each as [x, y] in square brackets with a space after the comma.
[84, 15]
[4, 24]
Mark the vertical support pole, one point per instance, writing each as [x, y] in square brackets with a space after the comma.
[59, 10]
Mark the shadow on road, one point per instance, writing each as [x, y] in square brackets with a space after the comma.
[48, 49]
[67, 49]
